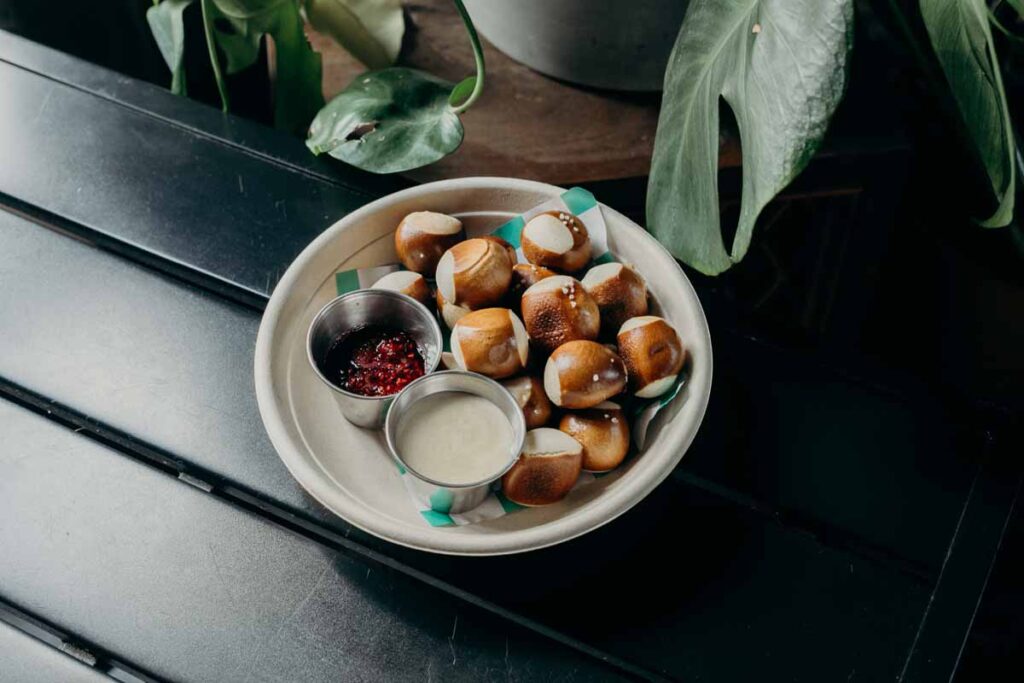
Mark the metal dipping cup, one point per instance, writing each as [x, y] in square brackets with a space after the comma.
[362, 308]
[445, 497]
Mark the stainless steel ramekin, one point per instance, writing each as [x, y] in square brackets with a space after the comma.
[443, 496]
[362, 308]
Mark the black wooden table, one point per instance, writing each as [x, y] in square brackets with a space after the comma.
[827, 525]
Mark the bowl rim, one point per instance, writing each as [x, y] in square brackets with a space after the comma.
[519, 428]
[311, 477]
[435, 331]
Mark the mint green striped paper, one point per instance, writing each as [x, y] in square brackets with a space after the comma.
[584, 206]
[351, 280]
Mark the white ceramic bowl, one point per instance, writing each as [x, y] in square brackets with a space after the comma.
[348, 469]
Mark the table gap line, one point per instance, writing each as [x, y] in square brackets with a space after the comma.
[199, 132]
[225, 288]
[279, 516]
[155, 262]
[60, 640]
[822, 533]
[981, 488]
[233, 293]
[262, 505]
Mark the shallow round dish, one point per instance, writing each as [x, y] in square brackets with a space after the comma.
[349, 470]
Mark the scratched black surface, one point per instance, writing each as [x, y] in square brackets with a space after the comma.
[792, 435]
[170, 365]
[255, 214]
[26, 660]
[804, 543]
[806, 435]
[197, 590]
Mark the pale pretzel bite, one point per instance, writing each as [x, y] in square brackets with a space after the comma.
[526, 275]
[422, 237]
[510, 251]
[581, 374]
[474, 274]
[619, 291]
[547, 469]
[406, 282]
[450, 313]
[653, 353]
[604, 433]
[528, 392]
[556, 239]
[557, 310]
[491, 341]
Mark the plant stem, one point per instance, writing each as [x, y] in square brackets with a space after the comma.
[217, 75]
[478, 55]
[994, 20]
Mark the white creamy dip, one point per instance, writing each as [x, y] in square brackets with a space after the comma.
[455, 438]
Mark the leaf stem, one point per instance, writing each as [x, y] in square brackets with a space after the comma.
[478, 55]
[211, 46]
[994, 20]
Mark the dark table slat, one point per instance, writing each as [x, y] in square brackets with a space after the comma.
[729, 586]
[253, 242]
[101, 660]
[822, 411]
[26, 660]
[894, 470]
[880, 445]
[996, 642]
[158, 190]
[965, 573]
[119, 359]
[248, 137]
[192, 589]
[137, 351]
[124, 333]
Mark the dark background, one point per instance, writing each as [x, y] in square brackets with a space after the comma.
[871, 257]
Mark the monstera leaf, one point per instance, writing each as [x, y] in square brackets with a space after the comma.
[167, 24]
[247, 9]
[395, 119]
[238, 26]
[371, 30]
[388, 121]
[960, 33]
[781, 66]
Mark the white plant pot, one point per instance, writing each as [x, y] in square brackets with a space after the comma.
[615, 44]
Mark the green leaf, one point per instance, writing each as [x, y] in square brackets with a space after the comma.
[962, 38]
[238, 29]
[394, 119]
[168, 27]
[210, 13]
[238, 40]
[388, 121]
[462, 90]
[371, 30]
[298, 90]
[781, 66]
[1002, 29]
[1017, 5]
[246, 9]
